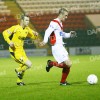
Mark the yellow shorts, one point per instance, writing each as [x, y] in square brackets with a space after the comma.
[19, 56]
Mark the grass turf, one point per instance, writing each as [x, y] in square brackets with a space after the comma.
[41, 85]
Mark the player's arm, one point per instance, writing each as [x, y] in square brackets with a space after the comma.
[7, 33]
[32, 34]
[68, 35]
[48, 32]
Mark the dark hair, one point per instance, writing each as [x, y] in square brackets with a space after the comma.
[23, 16]
[62, 10]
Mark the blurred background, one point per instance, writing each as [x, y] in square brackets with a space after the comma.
[84, 18]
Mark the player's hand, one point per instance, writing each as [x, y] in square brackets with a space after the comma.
[35, 33]
[42, 44]
[73, 34]
[11, 44]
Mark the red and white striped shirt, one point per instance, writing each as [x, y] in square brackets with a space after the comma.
[56, 27]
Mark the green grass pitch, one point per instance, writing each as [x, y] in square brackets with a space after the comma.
[41, 85]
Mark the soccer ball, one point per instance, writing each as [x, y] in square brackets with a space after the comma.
[92, 79]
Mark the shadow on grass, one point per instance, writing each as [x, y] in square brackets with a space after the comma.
[57, 83]
[39, 83]
[51, 83]
[79, 82]
[83, 83]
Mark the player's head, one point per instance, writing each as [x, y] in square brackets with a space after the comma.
[63, 14]
[25, 20]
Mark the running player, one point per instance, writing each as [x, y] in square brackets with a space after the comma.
[56, 35]
[15, 37]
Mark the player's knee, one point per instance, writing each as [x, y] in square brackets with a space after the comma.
[28, 64]
[68, 63]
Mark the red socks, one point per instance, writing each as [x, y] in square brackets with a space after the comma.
[65, 70]
[65, 73]
[61, 65]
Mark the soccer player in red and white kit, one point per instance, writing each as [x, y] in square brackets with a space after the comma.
[56, 35]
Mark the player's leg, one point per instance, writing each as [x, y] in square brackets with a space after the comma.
[60, 54]
[20, 73]
[25, 64]
[50, 64]
[65, 72]
[18, 70]
[62, 61]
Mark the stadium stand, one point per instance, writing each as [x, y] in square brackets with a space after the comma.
[3, 8]
[53, 6]
[42, 9]
[6, 18]
[7, 21]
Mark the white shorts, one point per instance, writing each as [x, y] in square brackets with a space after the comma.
[60, 53]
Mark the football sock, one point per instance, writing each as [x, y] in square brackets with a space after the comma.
[65, 70]
[19, 69]
[65, 73]
[24, 68]
[61, 65]
[19, 80]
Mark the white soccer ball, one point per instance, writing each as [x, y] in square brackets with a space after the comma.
[92, 79]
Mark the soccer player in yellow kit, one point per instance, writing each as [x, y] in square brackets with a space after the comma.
[15, 37]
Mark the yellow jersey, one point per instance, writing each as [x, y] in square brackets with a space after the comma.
[17, 35]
